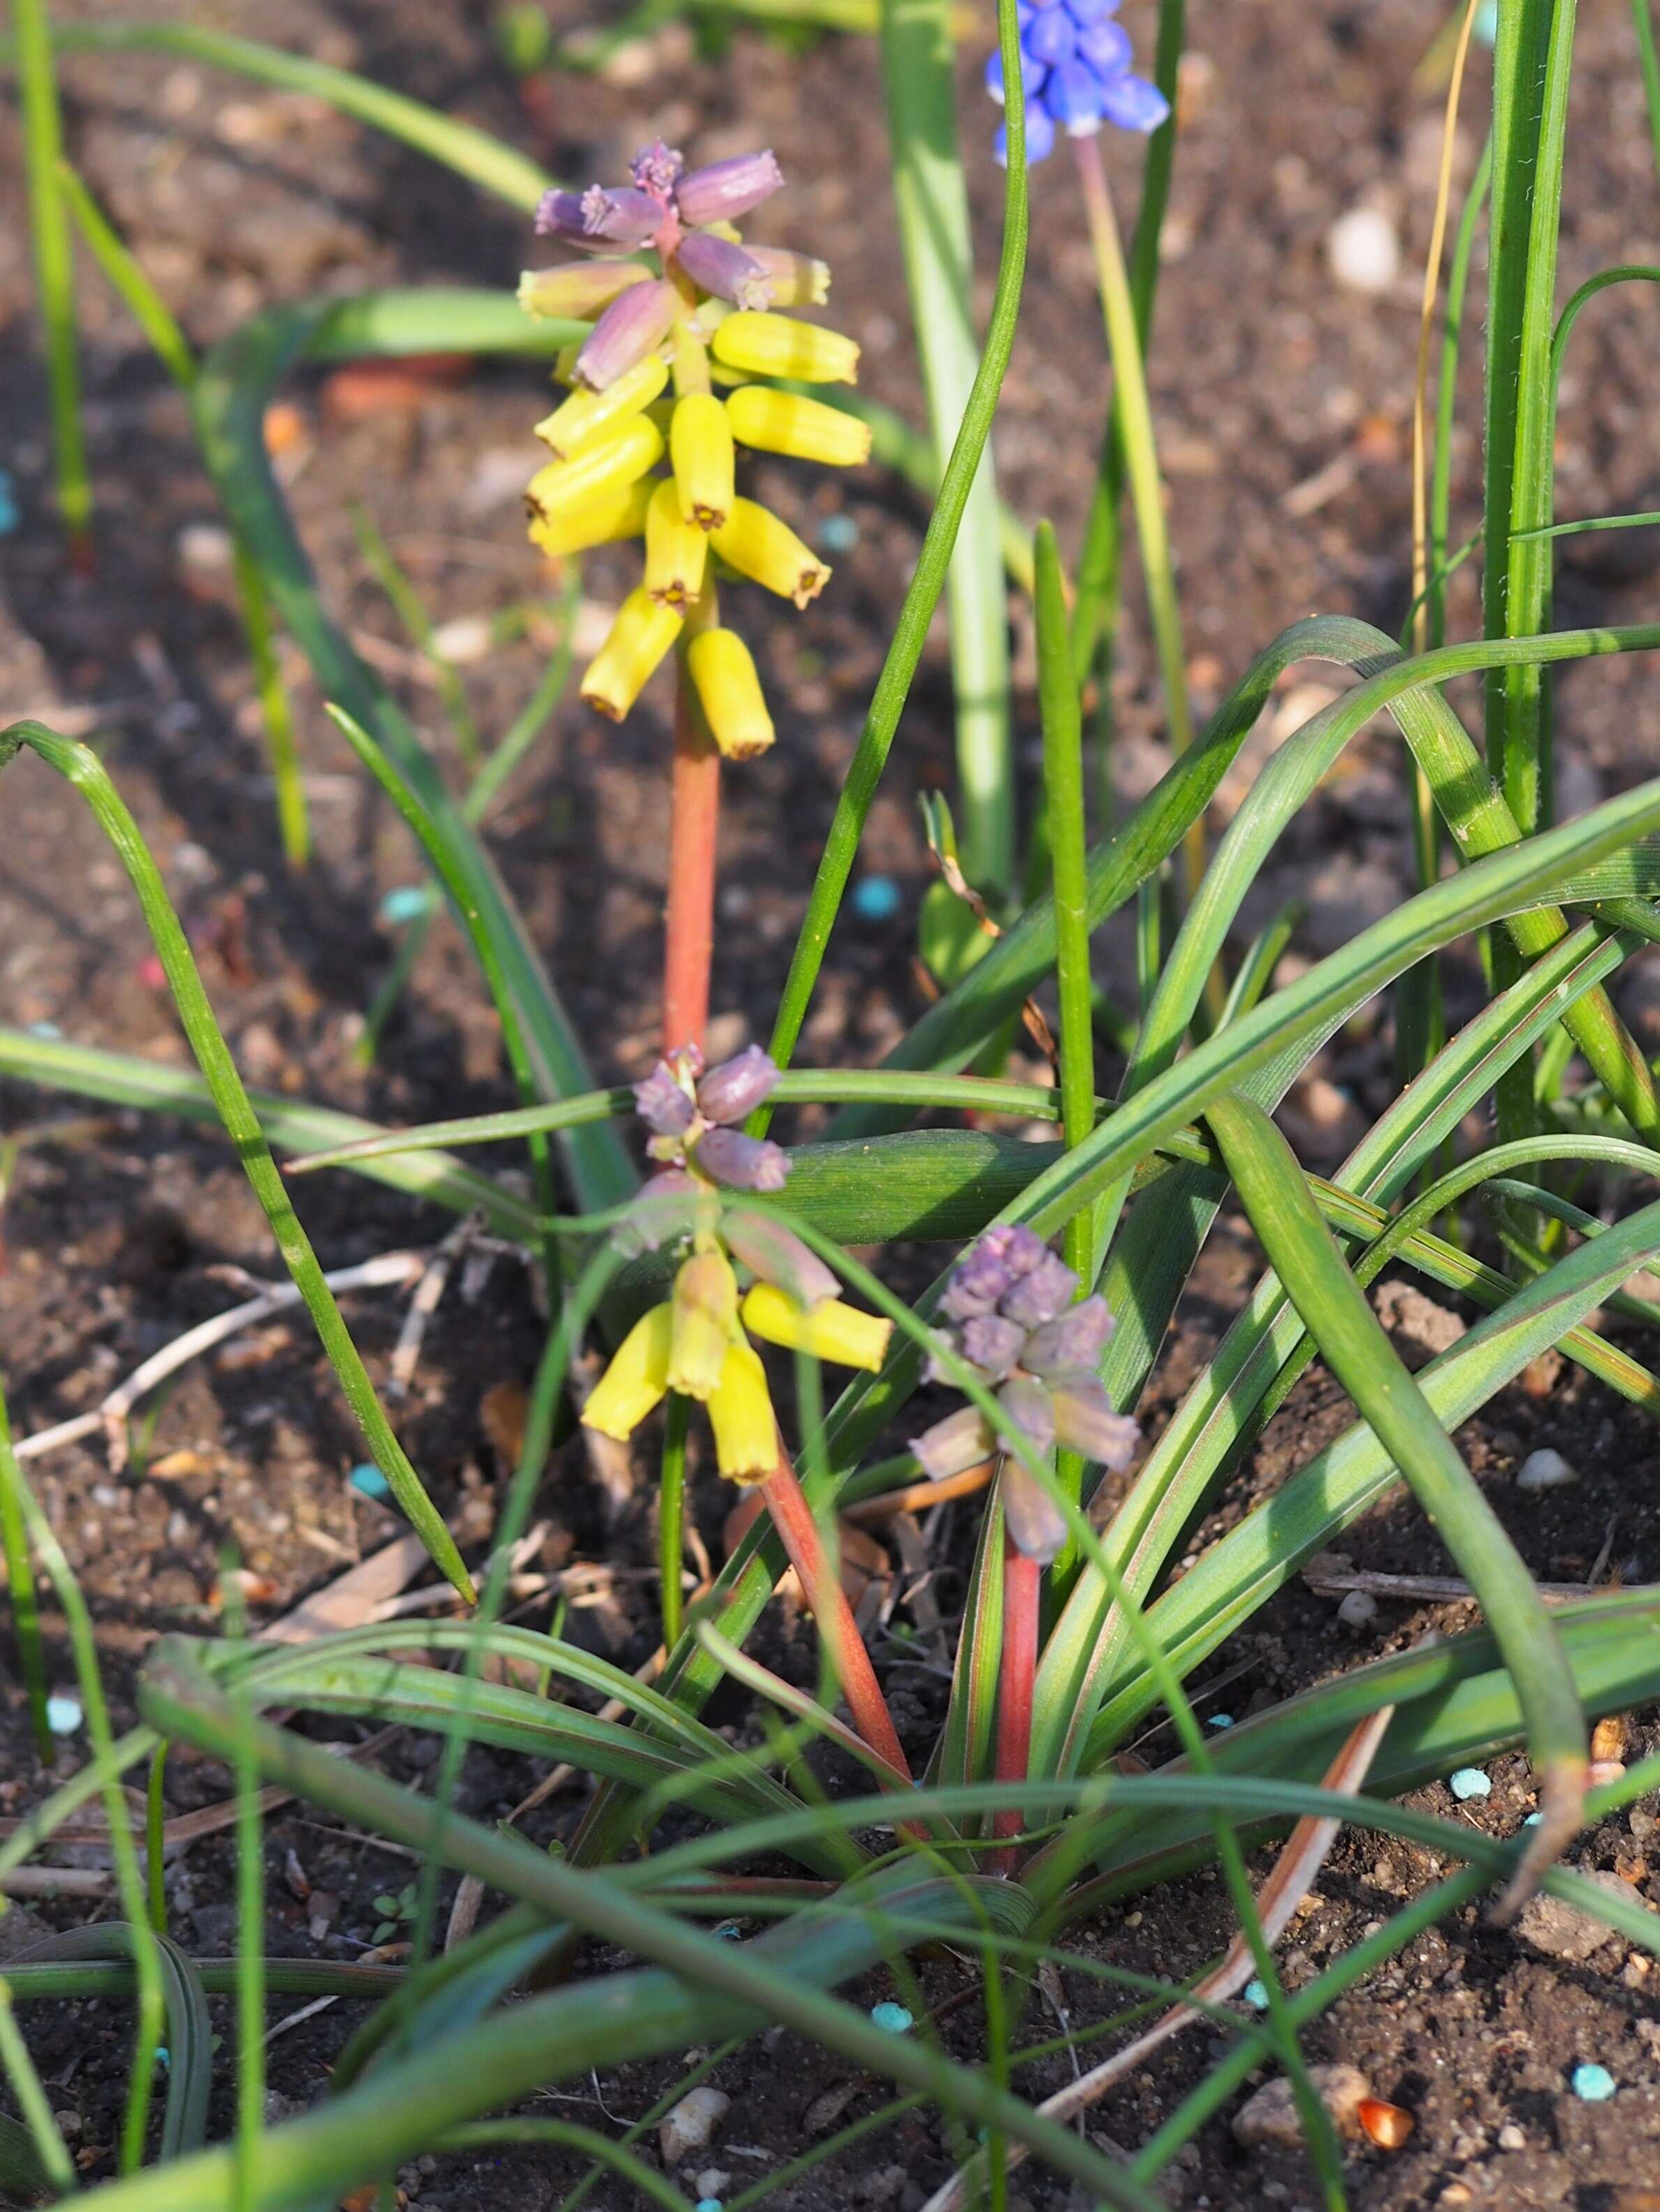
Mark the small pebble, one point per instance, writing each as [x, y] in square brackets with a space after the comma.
[64, 1714]
[1221, 1720]
[206, 546]
[1594, 2084]
[689, 2126]
[1511, 2137]
[713, 2181]
[1270, 2118]
[837, 533]
[1544, 1470]
[893, 2017]
[1469, 1782]
[465, 639]
[1358, 1610]
[368, 1481]
[405, 902]
[1363, 250]
[876, 898]
[1255, 1995]
[1533, 1819]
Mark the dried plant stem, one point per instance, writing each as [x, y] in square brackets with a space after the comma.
[1022, 1589]
[792, 1516]
[688, 920]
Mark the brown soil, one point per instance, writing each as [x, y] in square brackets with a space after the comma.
[1283, 403]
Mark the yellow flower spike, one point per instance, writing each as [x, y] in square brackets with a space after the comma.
[778, 345]
[636, 1379]
[600, 522]
[760, 546]
[705, 1310]
[610, 463]
[784, 423]
[677, 551]
[586, 413]
[729, 691]
[700, 448]
[624, 664]
[828, 1330]
[740, 1414]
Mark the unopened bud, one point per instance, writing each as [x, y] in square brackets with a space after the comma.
[742, 1163]
[622, 215]
[992, 1344]
[579, 290]
[1042, 1294]
[777, 1255]
[1073, 1339]
[723, 191]
[1085, 1422]
[716, 265]
[662, 1104]
[1035, 1525]
[731, 1091]
[636, 322]
[1027, 1405]
[962, 1440]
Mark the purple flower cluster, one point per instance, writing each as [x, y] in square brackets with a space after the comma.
[1009, 1313]
[1075, 72]
[691, 1116]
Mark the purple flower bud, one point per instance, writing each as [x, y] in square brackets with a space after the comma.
[1075, 1339]
[1032, 73]
[662, 1105]
[1084, 1422]
[559, 214]
[715, 264]
[1133, 104]
[665, 1211]
[1106, 48]
[992, 1345]
[734, 1089]
[961, 1441]
[1036, 1524]
[977, 1281]
[1090, 11]
[1027, 1405]
[1073, 97]
[725, 190]
[1040, 137]
[657, 168]
[620, 214]
[1022, 1249]
[742, 1163]
[778, 1256]
[635, 323]
[1052, 39]
[1048, 1290]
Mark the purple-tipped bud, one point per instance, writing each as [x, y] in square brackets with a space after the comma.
[798, 280]
[715, 264]
[950, 1447]
[559, 214]
[1036, 1524]
[663, 1106]
[620, 214]
[657, 168]
[731, 1091]
[742, 1163]
[778, 1256]
[1074, 1340]
[665, 1211]
[992, 1345]
[725, 190]
[1027, 1405]
[1021, 1248]
[1047, 1290]
[635, 323]
[977, 1281]
[1084, 1422]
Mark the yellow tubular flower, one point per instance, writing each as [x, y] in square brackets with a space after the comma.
[784, 423]
[768, 551]
[828, 1330]
[700, 446]
[610, 463]
[798, 280]
[601, 522]
[585, 414]
[729, 691]
[705, 1310]
[677, 551]
[740, 1414]
[778, 345]
[636, 1379]
[619, 671]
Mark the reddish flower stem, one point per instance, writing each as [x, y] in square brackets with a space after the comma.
[1022, 1580]
[798, 1532]
[689, 918]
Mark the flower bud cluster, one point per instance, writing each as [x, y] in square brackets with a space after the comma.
[1075, 73]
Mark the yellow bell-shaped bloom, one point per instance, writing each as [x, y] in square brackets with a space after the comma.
[585, 414]
[785, 423]
[778, 345]
[740, 1414]
[705, 1310]
[758, 545]
[700, 448]
[636, 1379]
[729, 691]
[609, 462]
[601, 522]
[677, 551]
[828, 1329]
[619, 671]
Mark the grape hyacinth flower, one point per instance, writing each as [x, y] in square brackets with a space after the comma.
[696, 1341]
[674, 376]
[1075, 72]
[1011, 1310]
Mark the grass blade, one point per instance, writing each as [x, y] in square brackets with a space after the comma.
[54, 269]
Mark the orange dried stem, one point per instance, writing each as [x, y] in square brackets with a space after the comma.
[689, 920]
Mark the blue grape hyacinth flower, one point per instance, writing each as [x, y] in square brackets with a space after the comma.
[1075, 70]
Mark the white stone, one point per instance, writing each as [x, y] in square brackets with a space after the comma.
[1545, 1470]
[1358, 1609]
[1271, 2119]
[1363, 250]
[692, 2121]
